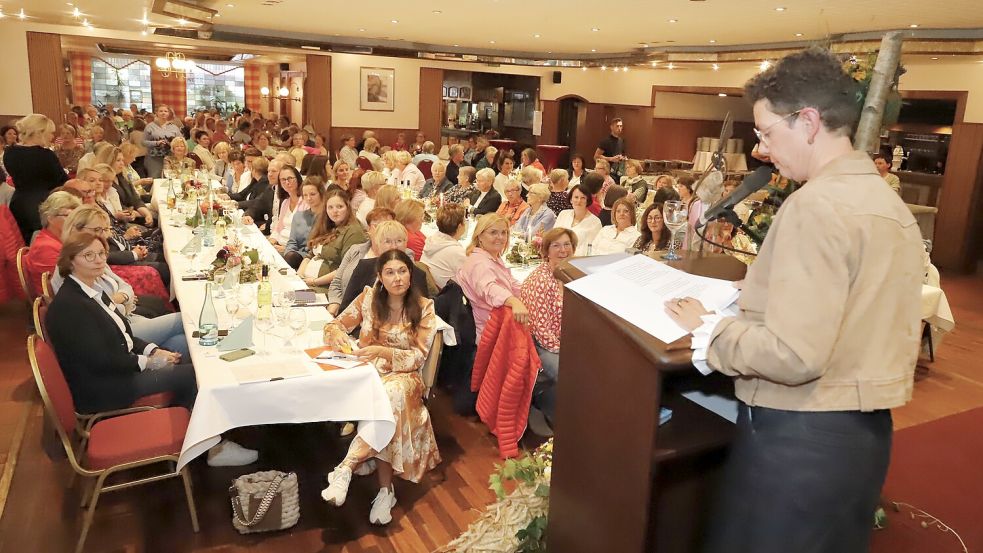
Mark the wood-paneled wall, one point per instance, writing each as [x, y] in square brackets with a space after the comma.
[676, 138]
[318, 84]
[551, 122]
[960, 199]
[47, 75]
[431, 105]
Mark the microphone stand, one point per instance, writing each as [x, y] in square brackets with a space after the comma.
[731, 217]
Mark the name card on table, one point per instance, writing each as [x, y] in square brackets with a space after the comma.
[193, 246]
[240, 336]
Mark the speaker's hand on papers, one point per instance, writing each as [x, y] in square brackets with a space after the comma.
[371, 353]
[686, 312]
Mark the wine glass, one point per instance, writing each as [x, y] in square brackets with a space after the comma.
[264, 325]
[219, 277]
[674, 214]
[297, 320]
[246, 296]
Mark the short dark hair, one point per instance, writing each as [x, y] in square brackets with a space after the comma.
[583, 190]
[812, 78]
[593, 181]
[880, 155]
[449, 218]
[199, 134]
[73, 246]
[616, 120]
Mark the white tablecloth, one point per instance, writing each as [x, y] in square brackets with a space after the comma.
[222, 404]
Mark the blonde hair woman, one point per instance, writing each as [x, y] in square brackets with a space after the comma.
[369, 152]
[484, 278]
[220, 153]
[371, 182]
[35, 170]
[179, 161]
[387, 197]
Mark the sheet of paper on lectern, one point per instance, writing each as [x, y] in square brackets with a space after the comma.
[636, 289]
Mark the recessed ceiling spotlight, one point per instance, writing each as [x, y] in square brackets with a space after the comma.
[583, 68]
[934, 58]
[701, 59]
[712, 41]
[594, 29]
[217, 15]
[394, 21]
[673, 21]
[721, 94]
[655, 63]
[86, 23]
[22, 15]
[230, 5]
[780, 9]
[715, 67]
[143, 32]
[69, 4]
[491, 42]
[764, 65]
[644, 45]
[145, 21]
[798, 34]
[593, 49]
[535, 35]
[914, 25]
[437, 12]
[604, 68]
[625, 69]
[76, 13]
[616, 69]
[672, 65]
[2, 15]
[457, 46]
[361, 30]
[182, 21]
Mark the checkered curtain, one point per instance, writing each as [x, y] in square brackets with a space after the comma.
[253, 84]
[171, 90]
[81, 78]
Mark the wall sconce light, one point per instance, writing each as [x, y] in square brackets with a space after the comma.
[264, 92]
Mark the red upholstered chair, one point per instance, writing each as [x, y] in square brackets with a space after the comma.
[426, 167]
[114, 442]
[364, 163]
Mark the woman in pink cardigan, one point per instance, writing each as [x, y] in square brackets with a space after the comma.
[484, 278]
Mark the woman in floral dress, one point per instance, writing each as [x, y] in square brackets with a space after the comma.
[397, 328]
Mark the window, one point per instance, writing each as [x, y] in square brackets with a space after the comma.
[121, 81]
[214, 85]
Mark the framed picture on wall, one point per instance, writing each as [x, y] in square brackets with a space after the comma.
[452, 92]
[376, 88]
[465, 93]
[445, 91]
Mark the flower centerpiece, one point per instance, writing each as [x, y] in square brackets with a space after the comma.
[523, 252]
[235, 256]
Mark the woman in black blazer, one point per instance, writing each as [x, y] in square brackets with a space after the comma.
[257, 198]
[106, 366]
[35, 170]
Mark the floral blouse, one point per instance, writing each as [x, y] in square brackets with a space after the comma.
[409, 351]
[558, 201]
[542, 295]
[460, 193]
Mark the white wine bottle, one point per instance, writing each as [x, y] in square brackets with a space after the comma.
[264, 295]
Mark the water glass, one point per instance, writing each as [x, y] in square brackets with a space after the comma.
[264, 325]
[297, 320]
[675, 214]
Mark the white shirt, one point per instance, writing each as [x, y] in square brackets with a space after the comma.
[367, 205]
[586, 230]
[609, 240]
[96, 296]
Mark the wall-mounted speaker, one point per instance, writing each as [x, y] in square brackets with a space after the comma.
[557, 77]
[284, 67]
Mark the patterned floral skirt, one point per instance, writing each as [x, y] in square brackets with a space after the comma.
[413, 449]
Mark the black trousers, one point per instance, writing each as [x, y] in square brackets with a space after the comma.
[179, 380]
[807, 482]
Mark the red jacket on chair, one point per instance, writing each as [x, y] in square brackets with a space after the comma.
[505, 369]
[10, 242]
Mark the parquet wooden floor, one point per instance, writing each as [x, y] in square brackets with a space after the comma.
[42, 514]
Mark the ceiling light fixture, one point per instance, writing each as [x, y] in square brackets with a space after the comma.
[361, 30]
[673, 21]
[616, 69]
[594, 29]
[655, 63]
[86, 23]
[145, 21]
[76, 13]
[2, 15]
[264, 91]
[672, 66]
[644, 45]
[935, 58]
[914, 25]
[625, 69]
[437, 12]
[712, 41]
[535, 36]
[798, 34]
[22, 15]
[143, 32]
[593, 49]
[182, 21]
[457, 46]
[394, 21]
[722, 95]
[173, 63]
[604, 68]
[491, 42]
[583, 68]
[780, 9]
[715, 67]
[230, 5]
[764, 65]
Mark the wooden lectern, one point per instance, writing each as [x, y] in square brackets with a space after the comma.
[620, 483]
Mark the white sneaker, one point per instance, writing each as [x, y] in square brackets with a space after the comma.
[365, 468]
[347, 430]
[382, 505]
[337, 489]
[230, 454]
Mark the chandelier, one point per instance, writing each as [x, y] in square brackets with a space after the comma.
[174, 63]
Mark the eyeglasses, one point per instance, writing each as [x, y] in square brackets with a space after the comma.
[98, 230]
[288, 178]
[763, 134]
[92, 256]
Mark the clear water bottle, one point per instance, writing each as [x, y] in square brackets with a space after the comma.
[208, 320]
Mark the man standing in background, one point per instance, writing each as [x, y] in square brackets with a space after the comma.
[612, 149]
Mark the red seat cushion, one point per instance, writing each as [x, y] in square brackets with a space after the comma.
[162, 399]
[138, 436]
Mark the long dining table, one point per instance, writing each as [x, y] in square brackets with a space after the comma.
[224, 402]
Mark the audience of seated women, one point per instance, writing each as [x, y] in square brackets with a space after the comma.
[312, 203]
[220, 153]
[371, 182]
[335, 231]
[486, 160]
[437, 185]
[542, 293]
[348, 153]
[634, 182]
[256, 200]
[576, 171]
[140, 184]
[410, 213]
[290, 203]
[622, 233]
[654, 234]
[539, 218]
[505, 165]
[405, 172]
[397, 327]
[560, 187]
[485, 199]
[602, 169]
[464, 190]
[514, 207]
[425, 153]
[96, 220]
[35, 171]
[236, 171]
[579, 219]
[484, 278]
[529, 158]
[178, 161]
[262, 143]
[128, 195]
[202, 150]
[370, 152]
[43, 255]
[443, 252]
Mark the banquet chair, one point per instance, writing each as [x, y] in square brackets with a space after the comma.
[364, 163]
[426, 167]
[431, 366]
[115, 442]
[25, 283]
[47, 290]
[40, 311]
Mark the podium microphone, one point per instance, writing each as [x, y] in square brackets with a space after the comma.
[751, 184]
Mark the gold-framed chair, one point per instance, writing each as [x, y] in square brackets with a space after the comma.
[39, 311]
[25, 284]
[431, 365]
[47, 290]
[112, 442]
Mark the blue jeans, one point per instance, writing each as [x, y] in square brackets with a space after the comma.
[544, 393]
[167, 331]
